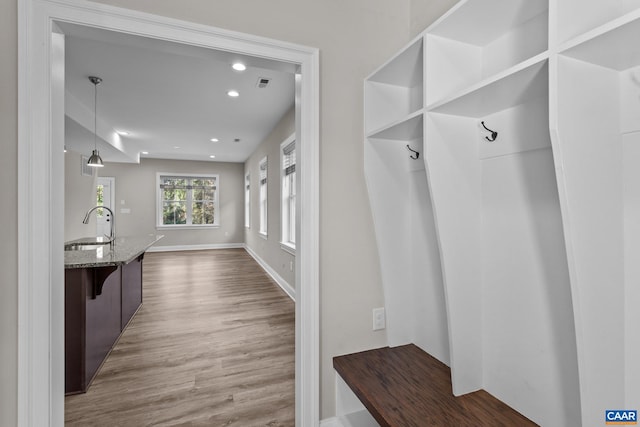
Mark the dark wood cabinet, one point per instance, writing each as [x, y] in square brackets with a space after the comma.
[131, 290]
[99, 303]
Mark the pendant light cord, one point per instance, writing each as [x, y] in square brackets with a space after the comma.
[95, 113]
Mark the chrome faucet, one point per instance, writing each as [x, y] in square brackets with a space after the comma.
[112, 233]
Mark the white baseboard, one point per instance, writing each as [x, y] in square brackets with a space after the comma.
[331, 422]
[195, 247]
[274, 275]
[357, 419]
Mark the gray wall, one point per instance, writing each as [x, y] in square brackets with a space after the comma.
[354, 37]
[136, 185]
[269, 249]
[9, 213]
[424, 12]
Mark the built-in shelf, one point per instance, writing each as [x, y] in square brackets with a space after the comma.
[396, 89]
[476, 40]
[528, 240]
[577, 18]
[404, 69]
[614, 45]
[515, 86]
[406, 129]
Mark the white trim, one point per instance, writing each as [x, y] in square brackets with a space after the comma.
[187, 227]
[331, 422]
[112, 199]
[288, 247]
[263, 209]
[180, 248]
[247, 201]
[274, 274]
[284, 226]
[41, 170]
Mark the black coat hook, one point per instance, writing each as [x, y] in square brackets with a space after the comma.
[494, 134]
[417, 154]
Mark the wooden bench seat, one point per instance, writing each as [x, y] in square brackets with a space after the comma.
[405, 387]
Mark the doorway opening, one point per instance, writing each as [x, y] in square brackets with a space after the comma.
[41, 162]
[105, 196]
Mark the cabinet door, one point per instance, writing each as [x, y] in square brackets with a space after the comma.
[102, 323]
[76, 280]
[131, 290]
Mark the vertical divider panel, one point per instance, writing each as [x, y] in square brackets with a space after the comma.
[596, 130]
[454, 178]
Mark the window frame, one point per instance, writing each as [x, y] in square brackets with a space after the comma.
[287, 226]
[190, 176]
[263, 204]
[247, 200]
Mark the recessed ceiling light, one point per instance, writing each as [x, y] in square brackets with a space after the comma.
[233, 93]
[214, 140]
[144, 152]
[212, 156]
[239, 66]
[122, 132]
[176, 147]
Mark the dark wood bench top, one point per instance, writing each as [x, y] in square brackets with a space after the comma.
[406, 387]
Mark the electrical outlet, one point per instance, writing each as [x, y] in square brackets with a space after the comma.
[290, 265]
[379, 321]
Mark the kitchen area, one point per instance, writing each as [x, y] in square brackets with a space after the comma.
[103, 291]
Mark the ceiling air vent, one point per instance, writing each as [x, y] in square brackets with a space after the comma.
[263, 82]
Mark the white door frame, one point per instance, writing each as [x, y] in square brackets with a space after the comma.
[41, 172]
[111, 203]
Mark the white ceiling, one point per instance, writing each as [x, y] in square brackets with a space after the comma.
[168, 95]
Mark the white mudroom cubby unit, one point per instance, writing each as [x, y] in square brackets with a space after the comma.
[405, 233]
[514, 257]
[596, 134]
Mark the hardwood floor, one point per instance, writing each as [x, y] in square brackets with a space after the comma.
[212, 345]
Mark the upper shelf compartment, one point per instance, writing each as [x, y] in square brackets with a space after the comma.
[515, 86]
[576, 17]
[614, 46]
[395, 90]
[477, 39]
[402, 130]
[610, 58]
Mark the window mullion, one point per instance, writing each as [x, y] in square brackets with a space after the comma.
[189, 203]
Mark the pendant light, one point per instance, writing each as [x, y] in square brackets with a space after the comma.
[95, 160]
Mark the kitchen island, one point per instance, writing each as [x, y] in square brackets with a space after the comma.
[103, 291]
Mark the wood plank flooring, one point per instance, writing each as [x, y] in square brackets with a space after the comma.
[406, 387]
[212, 345]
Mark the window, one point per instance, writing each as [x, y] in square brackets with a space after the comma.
[263, 196]
[247, 201]
[288, 194]
[187, 201]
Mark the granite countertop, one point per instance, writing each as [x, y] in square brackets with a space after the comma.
[124, 250]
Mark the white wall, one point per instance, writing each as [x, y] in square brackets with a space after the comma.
[269, 249]
[136, 185]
